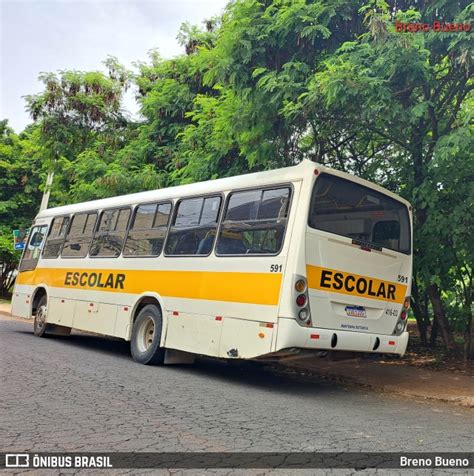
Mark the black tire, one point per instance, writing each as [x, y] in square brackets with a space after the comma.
[146, 335]
[41, 316]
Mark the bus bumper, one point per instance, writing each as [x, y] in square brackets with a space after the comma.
[291, 334]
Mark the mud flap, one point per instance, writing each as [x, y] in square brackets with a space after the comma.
[57, 330]
[173, 357]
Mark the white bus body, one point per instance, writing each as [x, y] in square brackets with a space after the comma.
[305, 257]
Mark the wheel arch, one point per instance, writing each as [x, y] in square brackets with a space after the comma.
[143, 300]
[40, 291]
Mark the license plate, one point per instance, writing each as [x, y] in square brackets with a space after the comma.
[355, 311]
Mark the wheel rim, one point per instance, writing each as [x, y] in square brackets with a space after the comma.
[146, 334]
[40, 319]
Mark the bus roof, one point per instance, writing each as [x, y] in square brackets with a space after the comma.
[276, 176]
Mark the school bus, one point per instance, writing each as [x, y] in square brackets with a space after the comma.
[254, 266]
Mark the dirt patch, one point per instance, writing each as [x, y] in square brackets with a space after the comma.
[428, 357]
[405, 380]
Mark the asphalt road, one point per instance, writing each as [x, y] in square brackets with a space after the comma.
[84, 393]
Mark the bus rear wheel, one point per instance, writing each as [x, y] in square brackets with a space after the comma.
[146, 336]
[40, 325]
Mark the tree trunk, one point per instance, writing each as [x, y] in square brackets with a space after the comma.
[440, 316]
[420, 312]
[434, 333]
[468, 335]
[420, 321]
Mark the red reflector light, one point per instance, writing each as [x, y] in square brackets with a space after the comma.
[301, 300]
[391, 342]
[403, 315]
[175, 313]
[269, 325]
[314, 336]
[218, 318]
[316, 172]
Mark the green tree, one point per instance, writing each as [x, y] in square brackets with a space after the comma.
[409, 90]
[20, 176]
[79, 114]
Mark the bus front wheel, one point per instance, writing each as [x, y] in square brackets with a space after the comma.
[41, 314]
[146, 336]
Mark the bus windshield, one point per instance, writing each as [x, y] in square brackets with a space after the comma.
[348, 209]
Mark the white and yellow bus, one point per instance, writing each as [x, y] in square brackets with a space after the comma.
[258, 265]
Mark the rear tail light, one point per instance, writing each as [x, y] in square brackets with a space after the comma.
[303, 315]
[402, 320]
[300, 285]
[301, 300]
[406, 303]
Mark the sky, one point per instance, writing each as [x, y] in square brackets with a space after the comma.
[47, 36]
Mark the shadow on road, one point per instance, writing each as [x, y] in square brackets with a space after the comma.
[103, 344]
[274, 378]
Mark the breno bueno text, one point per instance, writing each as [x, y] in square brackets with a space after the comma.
[437, 26]
[436, 462]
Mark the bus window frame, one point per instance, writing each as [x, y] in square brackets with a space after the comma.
[87, 212]
[222, 196]
[288, 185]
[97, 225]
[64, 240]
[132, 220]
[30, 235]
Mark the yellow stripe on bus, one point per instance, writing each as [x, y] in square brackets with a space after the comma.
[249, 288]
[335, 281]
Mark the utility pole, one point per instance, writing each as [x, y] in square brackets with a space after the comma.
[47, 190]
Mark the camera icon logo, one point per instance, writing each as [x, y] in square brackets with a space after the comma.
[17, 460]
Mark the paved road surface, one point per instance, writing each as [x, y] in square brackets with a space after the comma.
[84, 393]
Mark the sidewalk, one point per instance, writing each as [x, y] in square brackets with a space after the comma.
[403, 380]
[5, 307]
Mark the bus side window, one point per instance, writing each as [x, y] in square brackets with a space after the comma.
[193, 230]
[56, 236]
[33, 248]
[147, 233]
[109, 237]
[79, 235]
[254, 222]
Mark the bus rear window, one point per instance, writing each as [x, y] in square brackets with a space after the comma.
[348, 209]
